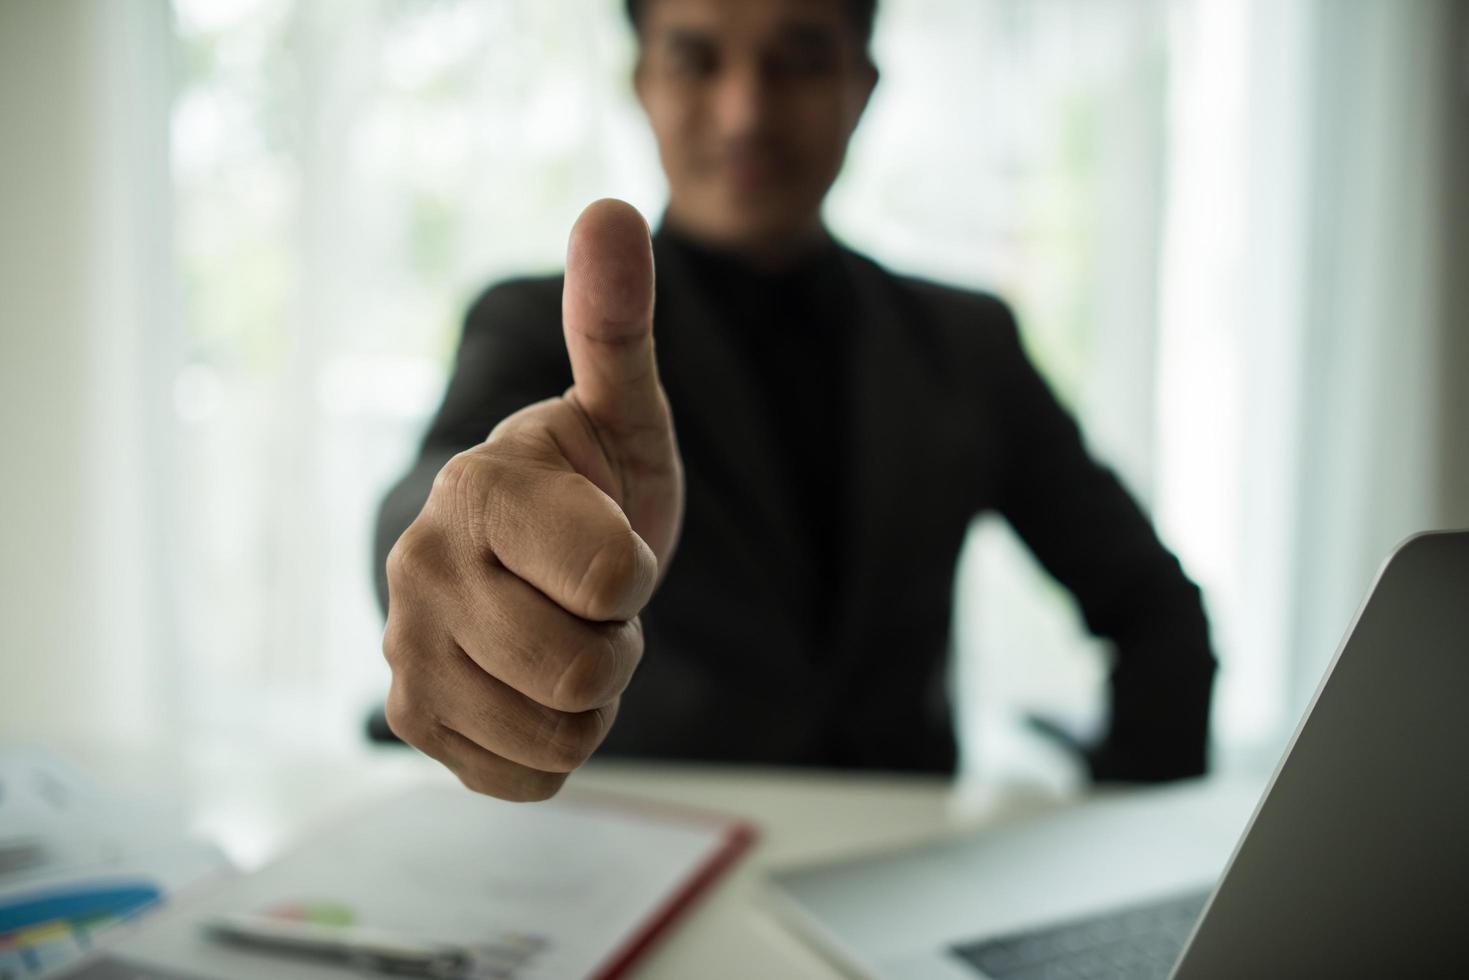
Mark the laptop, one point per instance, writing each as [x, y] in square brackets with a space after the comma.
[1353, 862]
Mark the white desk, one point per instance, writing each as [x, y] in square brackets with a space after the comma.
[802, 817]
[256, 803]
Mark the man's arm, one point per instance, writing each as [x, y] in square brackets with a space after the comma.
[510, 355]
[1089, 533]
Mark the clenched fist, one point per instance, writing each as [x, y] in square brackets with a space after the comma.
[514, 596]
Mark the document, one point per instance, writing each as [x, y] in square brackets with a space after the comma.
[574, 887]
[78, 861]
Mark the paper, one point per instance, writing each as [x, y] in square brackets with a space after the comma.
[76, 862]
[52, 920]
[577, 877]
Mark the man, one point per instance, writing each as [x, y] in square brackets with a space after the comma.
[838, 427]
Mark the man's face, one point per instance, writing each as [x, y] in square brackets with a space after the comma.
[752, 103]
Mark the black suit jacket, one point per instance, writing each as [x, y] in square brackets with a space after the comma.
[947, 419]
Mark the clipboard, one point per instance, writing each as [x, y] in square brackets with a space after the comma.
[581, 886]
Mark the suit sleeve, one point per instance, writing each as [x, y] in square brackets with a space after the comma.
[1091, 535]
[511, 353]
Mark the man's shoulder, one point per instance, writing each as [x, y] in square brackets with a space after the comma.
[517, 300]
[961, 314]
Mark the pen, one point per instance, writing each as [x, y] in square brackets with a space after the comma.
[362, 949]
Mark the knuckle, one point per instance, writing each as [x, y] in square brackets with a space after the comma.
[465, 487]
[399, 642]
[459, 475]
[394, 648]
[628, 642]
[569, 740]
[406, 719]
[416, 556]
[587, 678]
[475, 493]
[612, 577]
[596, 674]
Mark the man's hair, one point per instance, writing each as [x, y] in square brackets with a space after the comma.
[861, 12]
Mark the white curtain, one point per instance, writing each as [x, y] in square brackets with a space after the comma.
[1384, 340]
[89, 347]
[1305, 321]
[1306, 358]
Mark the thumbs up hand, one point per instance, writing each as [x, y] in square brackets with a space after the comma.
[514, 597]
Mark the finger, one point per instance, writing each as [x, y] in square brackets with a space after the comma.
[428, 667]
[547, 524]
[487, 773]
[607, 314]
[500, 719]
[516, 634]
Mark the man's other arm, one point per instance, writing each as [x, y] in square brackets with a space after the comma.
[510, 355]
[1089, 533]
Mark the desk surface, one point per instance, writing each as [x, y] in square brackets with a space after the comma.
[257, 803]
[802, 818]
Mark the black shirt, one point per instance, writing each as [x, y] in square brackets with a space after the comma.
[792, 327]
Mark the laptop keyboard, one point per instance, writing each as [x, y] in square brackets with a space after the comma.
[1137, 943]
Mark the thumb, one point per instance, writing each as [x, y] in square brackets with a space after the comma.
[607, 315]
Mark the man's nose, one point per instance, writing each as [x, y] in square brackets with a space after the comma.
[742, 101]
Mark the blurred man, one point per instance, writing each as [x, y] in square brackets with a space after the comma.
[838, 428]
